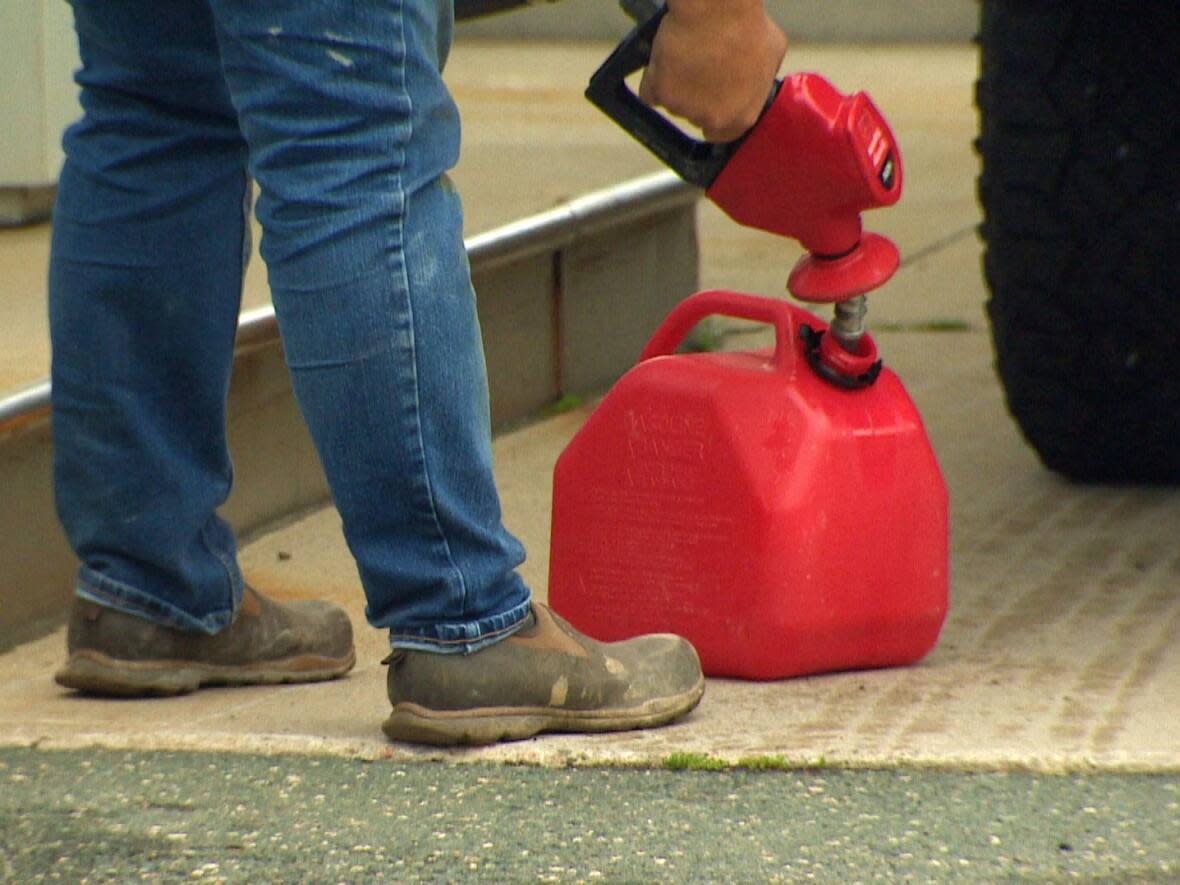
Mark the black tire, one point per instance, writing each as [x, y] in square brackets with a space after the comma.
[469, 9]
[1080, 144]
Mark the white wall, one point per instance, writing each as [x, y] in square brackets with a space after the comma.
[38, 55]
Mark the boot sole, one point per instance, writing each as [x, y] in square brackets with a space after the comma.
[95, 673]
[413, 723]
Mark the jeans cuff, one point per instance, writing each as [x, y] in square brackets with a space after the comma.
[108, 592]
[464, 638]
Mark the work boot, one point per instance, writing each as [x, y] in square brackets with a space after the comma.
[546, 677]
[112, 653]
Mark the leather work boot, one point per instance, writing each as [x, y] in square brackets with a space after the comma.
[112, 653]
[546, 677]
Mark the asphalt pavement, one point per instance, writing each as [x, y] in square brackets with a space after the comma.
[108, 816]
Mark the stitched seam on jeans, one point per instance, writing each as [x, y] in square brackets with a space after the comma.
[232, 573]
[247, 234]
[416, 404]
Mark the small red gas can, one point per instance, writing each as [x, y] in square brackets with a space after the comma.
[783, 525]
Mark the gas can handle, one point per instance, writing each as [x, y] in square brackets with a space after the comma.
[697, 162]
[721, 302]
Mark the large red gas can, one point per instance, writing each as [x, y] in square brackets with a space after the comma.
[783, 525]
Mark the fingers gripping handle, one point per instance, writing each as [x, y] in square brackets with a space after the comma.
[697, 162]
[695, 308]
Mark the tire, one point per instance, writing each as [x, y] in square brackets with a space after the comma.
[1080, 144]
[466, 10]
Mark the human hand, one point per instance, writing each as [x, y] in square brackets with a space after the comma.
[713, 62]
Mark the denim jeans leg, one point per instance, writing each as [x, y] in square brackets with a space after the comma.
[351, 132]
[145, 283]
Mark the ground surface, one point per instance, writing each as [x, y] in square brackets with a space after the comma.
[121, 817]
[1059, 652]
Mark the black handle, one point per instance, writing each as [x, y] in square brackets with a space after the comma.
[641, 10]
[697, 162]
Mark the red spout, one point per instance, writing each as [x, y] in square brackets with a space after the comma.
[814, 162]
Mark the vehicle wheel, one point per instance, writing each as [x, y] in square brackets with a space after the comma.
[1079, 103]
[469, 9]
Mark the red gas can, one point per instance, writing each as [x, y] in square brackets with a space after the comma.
[781, 524]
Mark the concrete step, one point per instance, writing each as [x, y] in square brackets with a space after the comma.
[1059, 654]
[1060, 651]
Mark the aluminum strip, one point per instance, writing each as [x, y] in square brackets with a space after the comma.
[27, 405]
[580, 218]
[547, 232]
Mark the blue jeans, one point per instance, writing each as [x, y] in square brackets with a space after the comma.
[338, 110]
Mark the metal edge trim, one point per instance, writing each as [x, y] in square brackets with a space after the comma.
[28, 404]
[582, 217]
[545, 232]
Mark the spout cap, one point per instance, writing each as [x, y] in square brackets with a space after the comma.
[869, 265]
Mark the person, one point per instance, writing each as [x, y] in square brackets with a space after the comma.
[338, 111]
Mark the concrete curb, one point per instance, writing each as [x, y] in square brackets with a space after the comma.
[555, 751]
